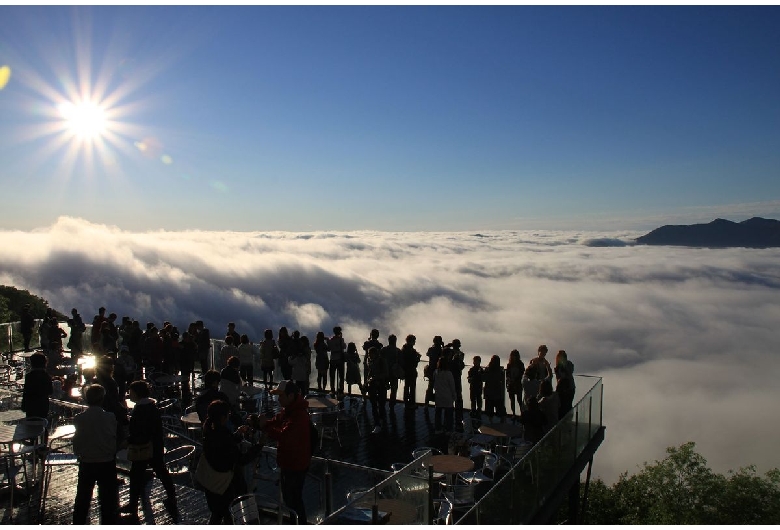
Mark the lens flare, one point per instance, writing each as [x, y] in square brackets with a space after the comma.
[5, 75]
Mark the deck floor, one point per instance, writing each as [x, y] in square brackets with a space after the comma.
[406, 430]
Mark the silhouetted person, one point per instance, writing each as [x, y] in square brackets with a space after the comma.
[95, 444]
[392, 356]
[475, 379]
[338, 349]
[410, 358]
[27, 325]
[37, 388]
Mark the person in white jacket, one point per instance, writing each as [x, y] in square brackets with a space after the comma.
[445, 393]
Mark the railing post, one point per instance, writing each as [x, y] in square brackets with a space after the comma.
[430, 494]
[328, 490]
[576, 430]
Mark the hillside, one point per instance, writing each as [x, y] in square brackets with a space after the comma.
[756, 232]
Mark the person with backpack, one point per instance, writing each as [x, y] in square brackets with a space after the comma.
[292, 430]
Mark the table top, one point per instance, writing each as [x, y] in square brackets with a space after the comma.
[25, 354]
[16, 433]
[398, 511]
[167, 379]
[450, 464]
[251, 390]
[322, 402]
[11, 415]
[501, 430]
[191, 419]
[63, 431]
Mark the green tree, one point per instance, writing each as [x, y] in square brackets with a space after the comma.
[682, 489]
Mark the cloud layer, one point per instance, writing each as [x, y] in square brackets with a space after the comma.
[685, 339]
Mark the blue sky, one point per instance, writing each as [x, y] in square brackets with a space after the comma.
[392, 118]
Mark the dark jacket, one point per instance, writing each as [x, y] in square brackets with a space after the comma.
[35, 396]
[205, 399]
[146, 424]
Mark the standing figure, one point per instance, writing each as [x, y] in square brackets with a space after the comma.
[246, 354]
[300, 361]
[286, 348]
[444, 387]
[94, 443]
[227, 351]
[77, 329]
[514, 380]
[542, 364]
[475, 379]
[433, 353]
[203, 339]
[231, 332]
[495, 384]
[269, 352]
[352, 376]
[337, 350]
[372, 342]
[321, 362]
[564, 375]
[377, 376]
[27, 325]
[290, 428]
[146, 426]
[457, 364]
[37, 388]
[410, 358]
[392, 356]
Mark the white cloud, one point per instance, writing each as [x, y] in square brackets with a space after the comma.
[685, 338]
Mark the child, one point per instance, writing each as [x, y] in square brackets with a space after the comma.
[475, 380]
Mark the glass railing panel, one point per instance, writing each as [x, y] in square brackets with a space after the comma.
[519, 493]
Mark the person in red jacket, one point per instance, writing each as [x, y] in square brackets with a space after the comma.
[290, 430]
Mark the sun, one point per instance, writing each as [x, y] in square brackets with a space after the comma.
[85, 119]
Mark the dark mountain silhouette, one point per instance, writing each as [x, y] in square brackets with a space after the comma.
[720, 233]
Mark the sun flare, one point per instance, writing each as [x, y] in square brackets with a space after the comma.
[86, 119]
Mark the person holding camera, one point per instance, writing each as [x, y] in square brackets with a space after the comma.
[290, 428]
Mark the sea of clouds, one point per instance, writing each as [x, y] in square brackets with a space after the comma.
[686, 340]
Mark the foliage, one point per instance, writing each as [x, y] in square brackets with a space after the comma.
[681, 489]
[12, 300]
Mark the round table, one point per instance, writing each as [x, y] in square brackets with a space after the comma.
[450, 464]
[322, 402]
[501, 430]
[8, 416]
[399, 512]
[252, 390]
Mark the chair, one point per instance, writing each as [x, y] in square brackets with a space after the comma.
[172, 425]
[54, 458]
[476, 441]
[327, 424]
[486, 474]
[179, 460]
[246, 509]
[344, 416]
[32, 447]
[455, 498]
[420, 451]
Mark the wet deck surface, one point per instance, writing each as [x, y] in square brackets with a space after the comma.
[406, 430]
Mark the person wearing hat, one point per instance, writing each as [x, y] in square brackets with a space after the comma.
[290, 429]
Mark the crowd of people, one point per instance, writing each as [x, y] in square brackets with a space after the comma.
[128, 355]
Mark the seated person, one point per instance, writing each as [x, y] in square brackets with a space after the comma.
[210, 393]
[549, 404]
[533, 421]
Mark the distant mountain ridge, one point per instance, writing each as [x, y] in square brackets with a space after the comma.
[756, 232]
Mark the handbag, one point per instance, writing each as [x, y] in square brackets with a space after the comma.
[140, 452]
[214, 481]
